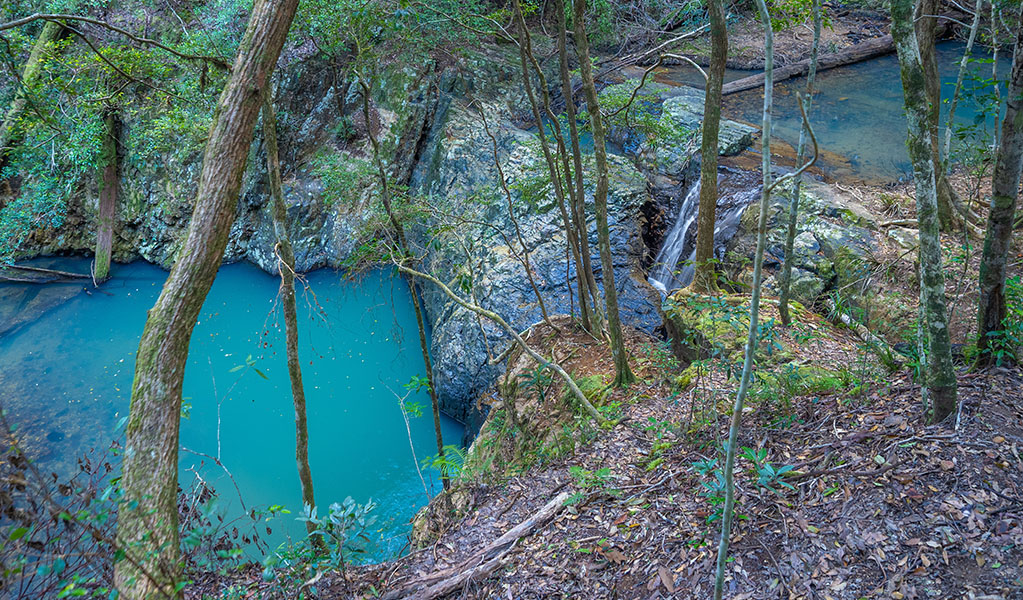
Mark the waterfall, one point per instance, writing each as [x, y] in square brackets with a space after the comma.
[734, 195]
[662, 274]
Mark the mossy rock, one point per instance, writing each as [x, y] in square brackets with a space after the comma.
[593, 387]
[712, 326]
[807, 380]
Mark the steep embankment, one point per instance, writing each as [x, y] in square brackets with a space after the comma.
[843, 494]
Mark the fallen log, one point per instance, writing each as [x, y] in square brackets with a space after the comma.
[64, 274]
[853, 54]
[24, 274]
[871, 48]
[481, 564]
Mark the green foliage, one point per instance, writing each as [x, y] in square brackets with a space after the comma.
[165, 106]
[538, 380]
[1005, 344]
[789, 13]
[345, 178]
[587, 481]
[660, 357]
[768, 476]
[343, 529]
[451, 465]
[712, 486]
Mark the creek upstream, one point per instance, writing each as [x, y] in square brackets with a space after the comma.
[66, 376]
[858, 119]
[857, 112]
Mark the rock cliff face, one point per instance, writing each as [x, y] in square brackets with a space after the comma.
[466, 187]
[428, 120]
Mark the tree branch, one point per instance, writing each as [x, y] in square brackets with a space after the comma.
[496, 318]
[215, 60]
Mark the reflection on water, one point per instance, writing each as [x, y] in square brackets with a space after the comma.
[65, 378]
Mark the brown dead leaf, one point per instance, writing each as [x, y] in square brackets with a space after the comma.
[666, 579]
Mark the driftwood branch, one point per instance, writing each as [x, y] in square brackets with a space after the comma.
[481, 564]
[10, 273]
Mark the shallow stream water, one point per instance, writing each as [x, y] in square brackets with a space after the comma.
[857, 113]
[66, 375]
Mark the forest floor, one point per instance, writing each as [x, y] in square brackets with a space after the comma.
[876, 504]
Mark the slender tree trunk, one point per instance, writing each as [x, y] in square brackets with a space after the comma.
[10, 134]
[926, 31]
[995, 45]
[940, 375]
[564, 188]
[754, 310]
[623, 373]
[108, 184]
[578, 200]
[147, 526]
[705, 277]
[552, 166]
[1004, 190]
[405, 250]
[946, 141]
[286, 266]
[790, 237]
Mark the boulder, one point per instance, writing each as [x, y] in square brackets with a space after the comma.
[835, 234]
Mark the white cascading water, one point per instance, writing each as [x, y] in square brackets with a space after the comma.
[662, 274]
[666, 275]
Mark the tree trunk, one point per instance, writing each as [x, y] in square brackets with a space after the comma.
[577, 201]
[926, 25]
[754, 310]
[704, 277]
[405, 251]
[940, 376]
[623, 373]
[147, 527]
[790, 237]
[946, 141]
[9, 132]
[286, 266]
[564, 189]
[1004, 189]
[108, 186]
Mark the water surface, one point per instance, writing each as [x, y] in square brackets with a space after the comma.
[858, 114]
[65, 379]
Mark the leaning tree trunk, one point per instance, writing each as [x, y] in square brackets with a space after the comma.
[938, 371]
[926, 24]
[790, 237]
[623, 373]
[9, 131]
[704, 277]
[108, 184]
[1004, 189]
[286, 266]
[754, 310]
[147, 527]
